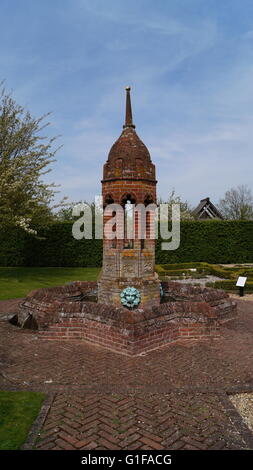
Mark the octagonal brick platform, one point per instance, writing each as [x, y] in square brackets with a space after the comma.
[71, 312]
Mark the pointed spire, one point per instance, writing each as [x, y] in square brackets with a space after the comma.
[129, 118]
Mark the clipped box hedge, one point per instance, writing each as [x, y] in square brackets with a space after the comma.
[212, 241]
[55, 247]
[229, 285]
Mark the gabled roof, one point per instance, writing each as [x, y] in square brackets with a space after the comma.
[206, 209]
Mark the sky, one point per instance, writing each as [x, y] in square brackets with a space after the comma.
[190, 67]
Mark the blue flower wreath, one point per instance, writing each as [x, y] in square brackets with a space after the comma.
[130, 297]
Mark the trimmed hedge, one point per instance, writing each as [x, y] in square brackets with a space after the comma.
[201, 268]
[228, 275]
[212, 241]
[201, 241]
[56, 247]
[230, 286]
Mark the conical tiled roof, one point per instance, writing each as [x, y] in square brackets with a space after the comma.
[129, 156]
[129, 146]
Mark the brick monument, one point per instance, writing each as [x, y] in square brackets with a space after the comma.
[123, 311]
[129, 178]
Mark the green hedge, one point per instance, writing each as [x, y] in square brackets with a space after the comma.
[211, 241]
[201, 268]
[206, 241]
[230, 286]
[56, 247]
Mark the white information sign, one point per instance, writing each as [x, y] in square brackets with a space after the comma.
[241, 281]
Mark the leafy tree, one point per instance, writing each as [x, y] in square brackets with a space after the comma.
[90, 216]
[65, 213]
[25, 156]
[185, 208]
[237, 204]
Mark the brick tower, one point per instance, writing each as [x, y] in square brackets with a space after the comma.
[129, 178]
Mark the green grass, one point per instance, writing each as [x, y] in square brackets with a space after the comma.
[17, 282]
[18, 411]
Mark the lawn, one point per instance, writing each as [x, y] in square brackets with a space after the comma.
[17, 282]
[18, 411]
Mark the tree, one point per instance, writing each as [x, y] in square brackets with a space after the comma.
[88, 216]
[65, 214]
[237, 204]
[25, 156]
[185, 208]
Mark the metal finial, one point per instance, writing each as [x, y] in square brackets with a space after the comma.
[129, 119]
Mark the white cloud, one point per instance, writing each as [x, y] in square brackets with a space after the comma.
[192, 92]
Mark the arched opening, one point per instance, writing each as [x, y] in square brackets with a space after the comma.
[114, 240]
[128, 202]
[147, 200]
[108, 199]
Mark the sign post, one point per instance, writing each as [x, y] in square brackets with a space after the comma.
[241, 284]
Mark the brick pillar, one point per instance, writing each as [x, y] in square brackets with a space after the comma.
[129, 174]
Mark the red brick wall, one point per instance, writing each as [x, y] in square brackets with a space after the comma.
[127, 331]
[139, 189]
[131, 344]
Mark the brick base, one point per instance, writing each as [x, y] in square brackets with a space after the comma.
[128, 341]
[109, 291]
[65, 313]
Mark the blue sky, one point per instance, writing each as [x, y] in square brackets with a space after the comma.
[190, 66]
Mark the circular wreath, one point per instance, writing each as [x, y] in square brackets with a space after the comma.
[130, 297]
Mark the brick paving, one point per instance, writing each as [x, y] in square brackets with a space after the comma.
[172, 398]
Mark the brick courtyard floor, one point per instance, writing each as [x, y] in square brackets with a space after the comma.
[176, 397]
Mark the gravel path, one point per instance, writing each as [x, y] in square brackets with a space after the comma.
[245, 297]
[201, 281]
[243, 402]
